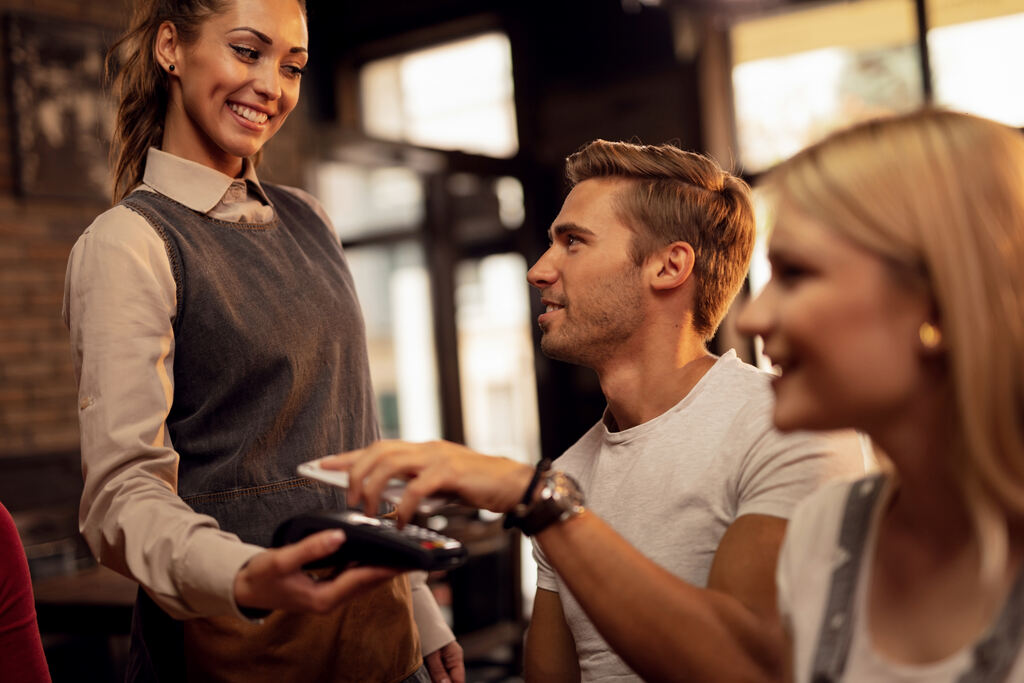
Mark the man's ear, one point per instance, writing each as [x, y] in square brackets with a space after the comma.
[671, 266]
[167, 48]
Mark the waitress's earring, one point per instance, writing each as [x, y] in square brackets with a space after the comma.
[930, 336]
[170, 68]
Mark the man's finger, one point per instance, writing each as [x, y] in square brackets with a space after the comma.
[341, 461]
[427, 482]
[358, 470]
[370, 476]
[398, 465]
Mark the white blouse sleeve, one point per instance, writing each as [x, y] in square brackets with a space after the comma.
[119, 305]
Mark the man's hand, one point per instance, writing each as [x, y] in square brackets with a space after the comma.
[274, 579]
[445, 665]
[483, 481]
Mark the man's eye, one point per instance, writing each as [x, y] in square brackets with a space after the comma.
[571, 240]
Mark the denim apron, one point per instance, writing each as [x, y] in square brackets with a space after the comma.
[993, 656]
[270, 370]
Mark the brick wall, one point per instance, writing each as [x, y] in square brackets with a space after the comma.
[37, 394]
[38, 412]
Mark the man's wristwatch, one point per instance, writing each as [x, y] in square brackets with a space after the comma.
[558, 500]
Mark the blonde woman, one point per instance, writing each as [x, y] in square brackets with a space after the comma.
[218, 343]
[896, 307]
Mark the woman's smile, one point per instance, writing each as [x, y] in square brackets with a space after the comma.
[249, 115]
[234, 87]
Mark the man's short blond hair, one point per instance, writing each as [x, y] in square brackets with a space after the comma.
[673, 196]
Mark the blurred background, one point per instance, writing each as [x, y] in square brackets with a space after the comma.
[434, 132]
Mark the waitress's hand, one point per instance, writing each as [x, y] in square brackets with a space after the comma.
[274, 578]
[484, 481]
[446, 665]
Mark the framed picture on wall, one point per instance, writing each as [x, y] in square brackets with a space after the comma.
[62, 120]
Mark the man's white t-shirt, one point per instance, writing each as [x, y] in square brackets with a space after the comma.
[673, 485]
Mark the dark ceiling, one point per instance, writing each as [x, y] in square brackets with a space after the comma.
[578, 41]
[569, 41]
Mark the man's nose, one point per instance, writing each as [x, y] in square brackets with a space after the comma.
[543, 273]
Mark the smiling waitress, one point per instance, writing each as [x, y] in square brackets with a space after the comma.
[217, 343]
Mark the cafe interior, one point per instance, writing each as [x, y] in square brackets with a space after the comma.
[434, 132]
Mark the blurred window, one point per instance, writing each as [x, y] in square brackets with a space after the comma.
[363, 201]
[977, 51]
[499, 396]
[428, 238]
[764, 216]
[455, 96]
[483, 209]
[511, 207]
[760, 270]
[394, 289]
[801, 75]
[496, 371]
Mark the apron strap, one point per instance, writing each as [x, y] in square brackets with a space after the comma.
[996, 653]
[837, 625]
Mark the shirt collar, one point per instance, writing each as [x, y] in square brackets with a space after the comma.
[198, 187]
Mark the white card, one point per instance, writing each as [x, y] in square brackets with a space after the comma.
[392, 494]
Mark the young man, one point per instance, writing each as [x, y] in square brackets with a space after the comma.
[647, 253]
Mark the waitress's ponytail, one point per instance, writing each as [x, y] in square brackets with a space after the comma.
[142, 86]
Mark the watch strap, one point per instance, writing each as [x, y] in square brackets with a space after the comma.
[543, 465]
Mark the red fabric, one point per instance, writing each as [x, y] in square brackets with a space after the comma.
[21, 650]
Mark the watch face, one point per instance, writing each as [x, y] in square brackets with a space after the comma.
[560, 499]
[565, 491]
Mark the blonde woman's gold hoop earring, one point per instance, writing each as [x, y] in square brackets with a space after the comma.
[930, 335]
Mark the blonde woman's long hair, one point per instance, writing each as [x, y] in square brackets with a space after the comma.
[941, 196]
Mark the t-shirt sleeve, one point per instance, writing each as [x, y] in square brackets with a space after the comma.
[811, 529]
[779, 470]
[788, 562]
[546, 577]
